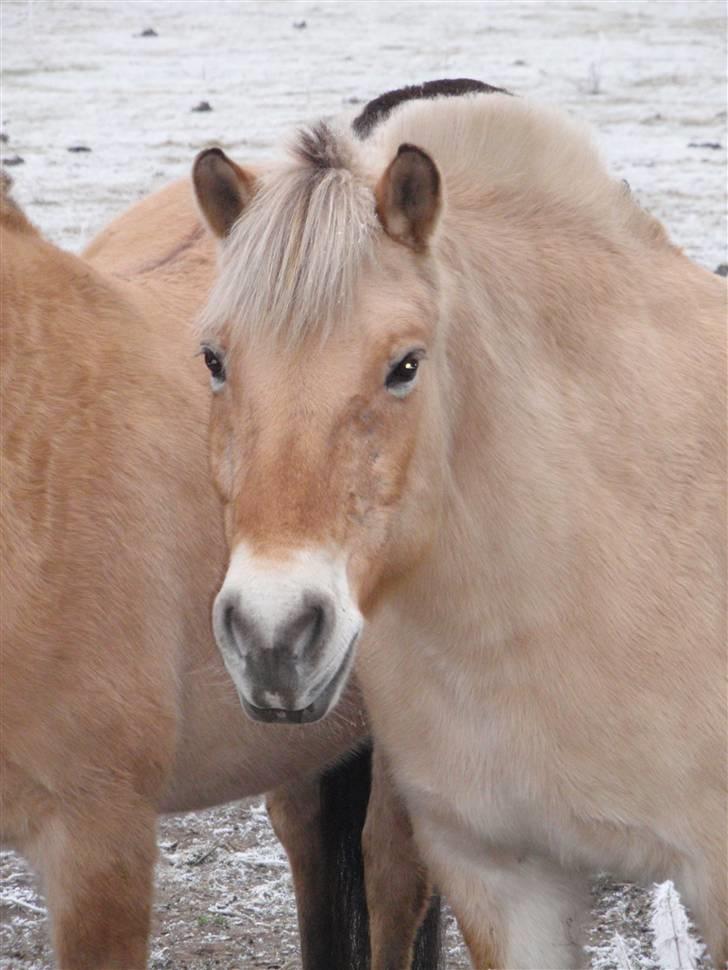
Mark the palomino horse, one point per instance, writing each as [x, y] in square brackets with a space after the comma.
[465, 387]
[114, 704]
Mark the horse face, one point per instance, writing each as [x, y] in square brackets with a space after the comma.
[328, 455]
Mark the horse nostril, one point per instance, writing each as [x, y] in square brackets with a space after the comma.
[306, 634]
[227, 619]
[234, 627]
[317, 624]
[301, 635]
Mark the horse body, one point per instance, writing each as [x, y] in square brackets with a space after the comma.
[578, 642]
[115, 704]
[506, 429]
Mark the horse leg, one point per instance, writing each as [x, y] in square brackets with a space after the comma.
[295, 813]
[514, 913]
[704, 892]
[397, 885]
[97, 867]
[477, 916]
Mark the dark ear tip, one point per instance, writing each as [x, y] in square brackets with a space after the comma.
[406, 148]
[208, 153]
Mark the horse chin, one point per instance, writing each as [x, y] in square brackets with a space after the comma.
[316, 710]
[279, 715]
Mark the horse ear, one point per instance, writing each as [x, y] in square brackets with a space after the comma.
[408, 197]
[222, 188]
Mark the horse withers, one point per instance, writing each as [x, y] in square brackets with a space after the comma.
[464, 388]
[114, 703]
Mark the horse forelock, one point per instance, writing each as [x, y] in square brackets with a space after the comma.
[319, 148]
[291, 264]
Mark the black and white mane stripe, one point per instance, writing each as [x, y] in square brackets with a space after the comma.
[381, 107]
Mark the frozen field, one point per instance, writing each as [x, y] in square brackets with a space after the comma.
[649, 77]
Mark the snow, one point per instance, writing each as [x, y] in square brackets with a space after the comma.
[622, 959]
[675, 948]
[78, 73]
[650, 78]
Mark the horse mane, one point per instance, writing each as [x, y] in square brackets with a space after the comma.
[11, 215]
[291, 264]
[493, 144]
[378, 110]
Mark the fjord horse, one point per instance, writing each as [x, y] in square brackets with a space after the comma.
[114, 703]
[464, 387]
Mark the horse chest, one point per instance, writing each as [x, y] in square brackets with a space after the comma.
[480, 761]
[491, 774]
[462, 753]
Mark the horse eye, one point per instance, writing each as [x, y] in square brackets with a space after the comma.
[403, 373]
[214, 364]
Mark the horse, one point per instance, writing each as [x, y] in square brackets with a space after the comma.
[114, 703]
[465, 389]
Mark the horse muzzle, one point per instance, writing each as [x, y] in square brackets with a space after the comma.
[287, 632]
[314, 711]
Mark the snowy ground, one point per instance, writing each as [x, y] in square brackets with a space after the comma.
[649, 76]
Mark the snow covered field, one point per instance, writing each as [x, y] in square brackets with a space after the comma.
[650, 78]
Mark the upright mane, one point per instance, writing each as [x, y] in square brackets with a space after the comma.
[291, 264]
[380, 108]
[492, 143]
[11, 215]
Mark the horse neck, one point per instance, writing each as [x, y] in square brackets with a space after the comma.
[546, 318]
[25, 318]
[20, 245]
[63, 310]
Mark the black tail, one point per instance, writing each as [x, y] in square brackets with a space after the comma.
[429, 943]
[344, 798]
